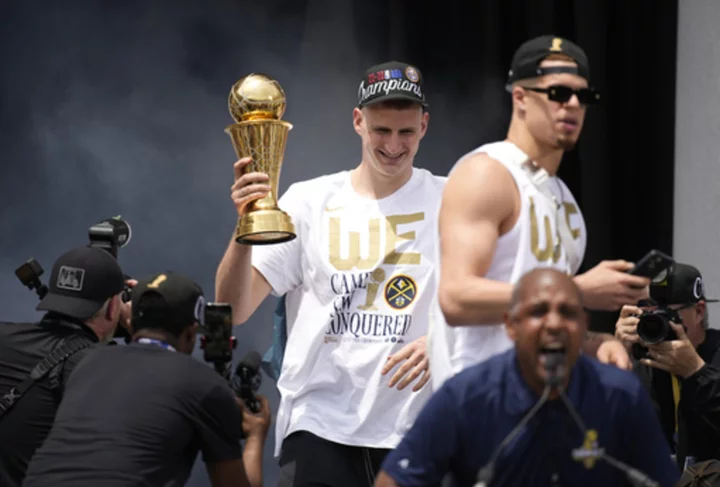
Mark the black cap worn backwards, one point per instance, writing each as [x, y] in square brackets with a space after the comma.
[393, 80]
[81, 280]
[526, 61]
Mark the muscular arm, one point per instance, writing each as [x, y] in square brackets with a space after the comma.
[479, 197]
[238, 283]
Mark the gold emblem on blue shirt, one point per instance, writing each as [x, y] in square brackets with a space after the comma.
[589, 452]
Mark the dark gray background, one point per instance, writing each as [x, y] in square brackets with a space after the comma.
[111, 108]
[118, 107]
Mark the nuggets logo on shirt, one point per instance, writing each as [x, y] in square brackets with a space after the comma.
[373, 256]
[400, 292]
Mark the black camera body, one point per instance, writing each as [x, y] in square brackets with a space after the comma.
[654, 327]
[218, 344]
[110, 235]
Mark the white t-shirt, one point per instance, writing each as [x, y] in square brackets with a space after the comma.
[532, 242]
[359, 281]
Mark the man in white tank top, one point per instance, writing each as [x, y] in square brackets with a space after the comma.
[504, 211]
[358, 282]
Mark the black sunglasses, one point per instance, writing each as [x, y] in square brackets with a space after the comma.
[562, 94]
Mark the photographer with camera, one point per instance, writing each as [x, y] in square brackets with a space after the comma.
[678, 357]
[83, 304]
[139, 414]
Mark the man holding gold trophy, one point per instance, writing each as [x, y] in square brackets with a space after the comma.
[353, 254]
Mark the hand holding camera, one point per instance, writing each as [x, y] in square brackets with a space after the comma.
[626, 326]
[255, 424]
[126, 309]
[677, 356]
[658, 340]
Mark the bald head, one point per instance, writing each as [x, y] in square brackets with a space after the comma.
[546, 316]
[542, 278]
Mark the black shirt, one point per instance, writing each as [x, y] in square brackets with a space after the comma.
[138, 415]
[24, 427]
[698, 432]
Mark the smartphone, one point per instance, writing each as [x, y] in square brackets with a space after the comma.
[652, 264]
[218, 343]
[218, 316]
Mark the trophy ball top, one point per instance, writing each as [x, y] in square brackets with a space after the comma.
[256, 96]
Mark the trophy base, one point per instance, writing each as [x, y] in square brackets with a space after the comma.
[265, 227]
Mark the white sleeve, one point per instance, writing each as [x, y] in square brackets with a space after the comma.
[281, 264]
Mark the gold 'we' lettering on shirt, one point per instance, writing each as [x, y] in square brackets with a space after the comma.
[391, 256]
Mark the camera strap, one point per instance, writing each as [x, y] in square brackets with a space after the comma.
[56, 357]
[539, 178]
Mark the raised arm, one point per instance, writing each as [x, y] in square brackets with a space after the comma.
[480, 203]
[236, 281]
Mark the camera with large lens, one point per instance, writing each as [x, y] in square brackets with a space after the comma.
[654, 327]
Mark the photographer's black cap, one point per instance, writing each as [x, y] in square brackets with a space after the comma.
[393, 80]
[82, 279]
[680, 284]
[526, 61]
[168, 301]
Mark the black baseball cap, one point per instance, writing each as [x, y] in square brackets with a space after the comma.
[680, 284]
[82, 279]
[393, 80]
[168, 301]
[526, 61]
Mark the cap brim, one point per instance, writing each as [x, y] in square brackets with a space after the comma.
[398, 96]
[69, 305]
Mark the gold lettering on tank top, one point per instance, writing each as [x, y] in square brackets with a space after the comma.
[373, 259]
[541, 254]
[550, 249]
[571, 209]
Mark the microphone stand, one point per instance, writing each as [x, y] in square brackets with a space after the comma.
[635, 476]
[555, 376]
[486, 473]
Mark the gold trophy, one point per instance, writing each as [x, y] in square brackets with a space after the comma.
[257, 103]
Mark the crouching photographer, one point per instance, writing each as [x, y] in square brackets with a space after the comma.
[678, 357]
[139, 414]
[83, 304]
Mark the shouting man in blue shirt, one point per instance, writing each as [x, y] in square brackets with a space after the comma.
[557, 412]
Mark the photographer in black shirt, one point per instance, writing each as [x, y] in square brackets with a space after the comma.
[84, 305]
[138, 415]
[678, 357]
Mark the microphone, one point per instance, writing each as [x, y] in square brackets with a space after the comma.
[553, 363]
[247, 380]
